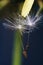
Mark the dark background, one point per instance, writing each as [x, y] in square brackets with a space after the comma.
[35, 53]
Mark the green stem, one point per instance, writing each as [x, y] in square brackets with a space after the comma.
[17, 51]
